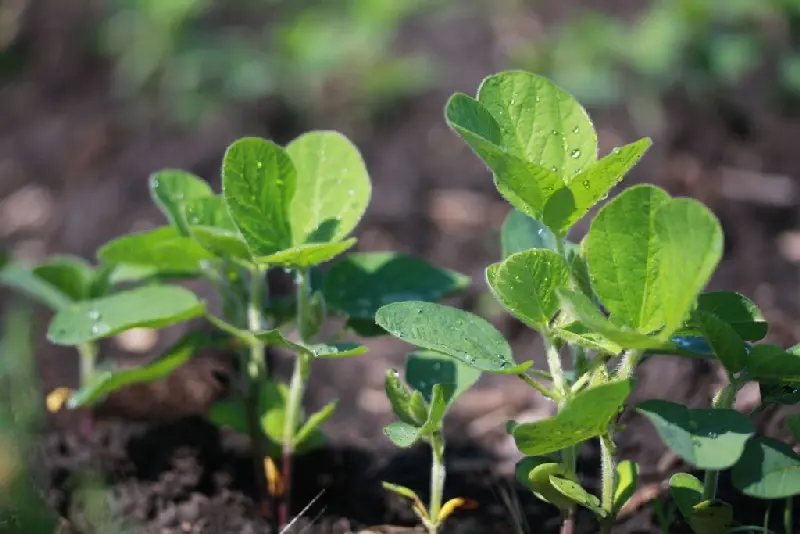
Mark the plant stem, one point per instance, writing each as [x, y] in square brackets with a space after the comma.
[437, 481]
[608, 470]
[629, 362]
[302, 365]
[724, 399]
[88, 358]
[256, 371]
[788, 519]
[554, 363]
[538, 387]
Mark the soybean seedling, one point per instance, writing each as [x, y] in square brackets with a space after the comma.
[632, 287]
[433, 384]
[290, 208]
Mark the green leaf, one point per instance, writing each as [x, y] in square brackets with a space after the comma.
[535, 472]
[171, 189]
[706, 438]
[627, 477]
[526, 284]
[579, 272]
[450, 331]
[711, 517]
[768, 469]
[772, 393]
[437, 408]
[305, 256]
[24, 280]
[728, 347]
[524, 184]
[586, 416]
[579, 334]
[400, 397]
[365, 327]
[736, 310]
[690, 243]
[163, 248]
[771, 363]
[258, 184]
[520, 232]
[211, 225]
[568, 205]
[687, 492]
[402, 491]
[151, 306]
[328, 351]
[361, 283]
[426, 368]
[574, 492]
[71, 275]
[108, 381]
[622, 256]
[333, 187]
[579, 306]
[402, 434]
[313, 424]
[540, 122]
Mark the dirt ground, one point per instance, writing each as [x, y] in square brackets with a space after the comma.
[68, 148]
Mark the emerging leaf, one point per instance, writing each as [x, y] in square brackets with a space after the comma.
[706, 438]
[687, 492]
[151, 306]
[258, 184]
[171, 189]
[626, 479]
[162, 249]
[333, 187]
[452, 332]
[309, 255]
[426, 368]
[587, 415]
[211, 225]
[400, 397]
[574, 492]
[535, 472]
[313, 424]
[402, 434]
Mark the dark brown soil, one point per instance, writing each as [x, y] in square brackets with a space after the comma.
[65, 141]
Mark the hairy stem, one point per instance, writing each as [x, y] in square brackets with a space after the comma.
[437, 481]
[255, 373]
[628, 365]
[554, 363]
[608, 471]
[537, 386]
[88, 358]
[302, 365]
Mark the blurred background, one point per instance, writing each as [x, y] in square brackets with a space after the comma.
[97, 94]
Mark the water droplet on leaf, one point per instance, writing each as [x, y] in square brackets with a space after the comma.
[586, 184]
[576, 130]
[575, 153]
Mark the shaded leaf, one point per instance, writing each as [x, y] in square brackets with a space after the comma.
[687, 492]
[426, 368]
[534, 472]
[586, 416]
[706, 438]
[333, 187]
[211, 225]
[163, 249]
[520, 232]
[450, 331]
[771, 363]
[151, 306]
[361, 283]
[170, 189]
[728, 347]
[24, 280]
[313, 424]
[711, 517]
[258, 184]
[736, 310]
[768, 469]
[71, 275]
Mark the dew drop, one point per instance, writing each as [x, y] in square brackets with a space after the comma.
[576, 130]
[555, 169]
[436, 366]
[713, 435]
[351, 192]
[395, 373]
[576, 153]
[94, 315]
[99, 329]
[258, 165]
[538, 98]
[554, 132]
[586, 184]
[616, 149]
[156, 183]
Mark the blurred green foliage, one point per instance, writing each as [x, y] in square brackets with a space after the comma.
[198, 56]
[703, 46]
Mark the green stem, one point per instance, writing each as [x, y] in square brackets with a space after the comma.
[437, 481]
[629, 362]
[554, 363]
[302, 367]
[608, 471]
[788, 519]
[88, 358]
[538, 387]
[724, 399]
[255, 373]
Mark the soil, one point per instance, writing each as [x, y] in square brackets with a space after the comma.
[67, 144]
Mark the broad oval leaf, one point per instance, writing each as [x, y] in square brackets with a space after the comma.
[308, 255]
[170, 189]
[584, 190]
[728, 347]
[108, 381]
[71, 275]
[622, 256]
[540, 122]
[258, 184]
[706, 438]
[526, 284]
[534, 472]
[689, 243]
[333, 187]
[402, 434]
[737, 310]
[687, 492]
[586, 416]
[24, 280]
[361, 283]
[520, 232]
[163, 249]
[450, 331]
[150, 306]
[768, 469]
[574, 491]
[426, 368]
[211, 225]
[770, 363]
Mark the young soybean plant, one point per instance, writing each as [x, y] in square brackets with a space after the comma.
[435, 383]
[627, 289]
[289, 208]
